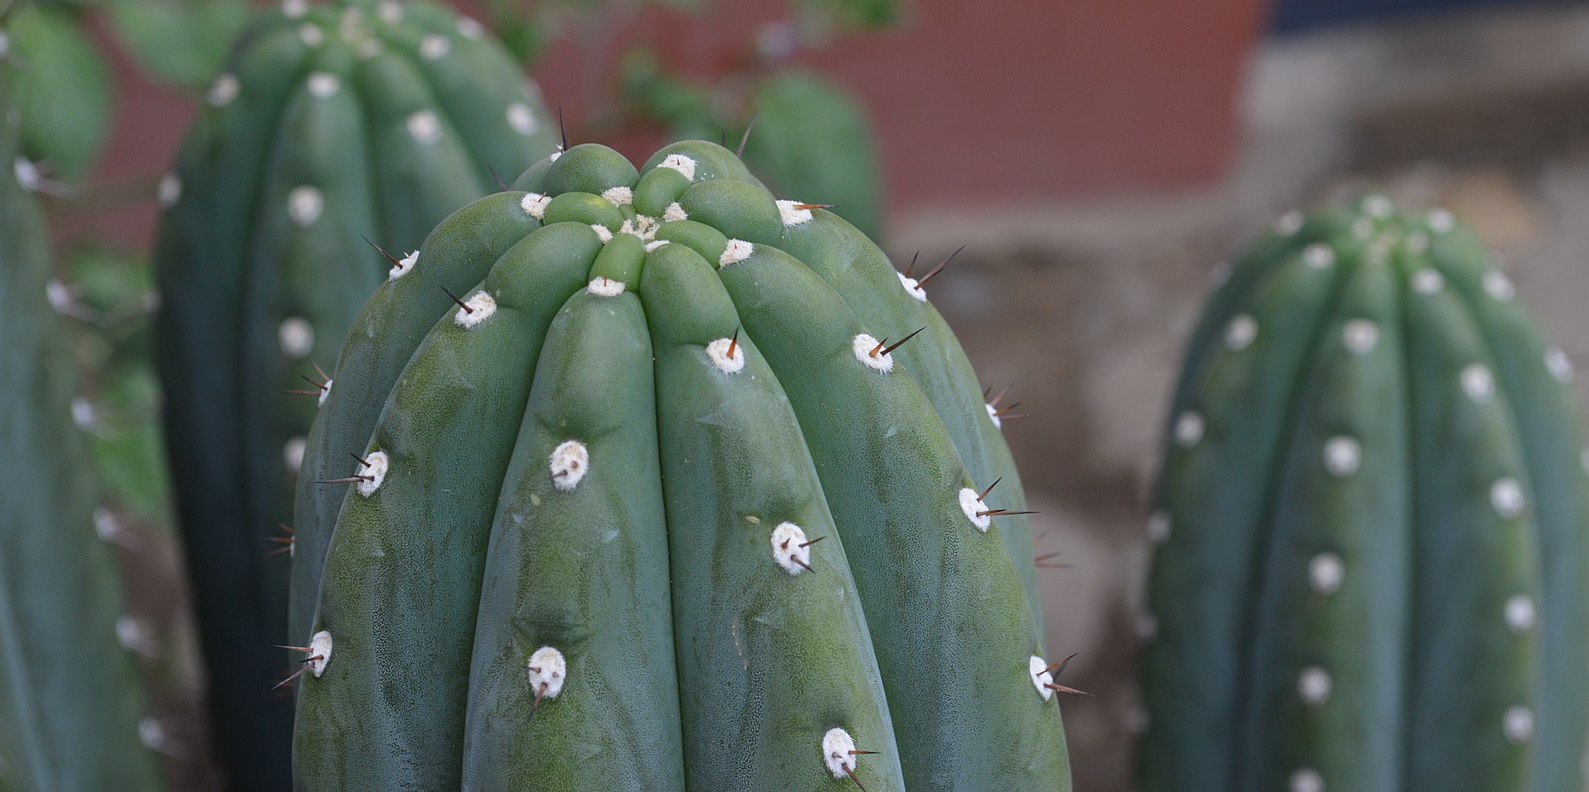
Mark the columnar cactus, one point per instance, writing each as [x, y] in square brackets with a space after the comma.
[645, 480]
[71, 703]
[363, 119]
[1372, 570]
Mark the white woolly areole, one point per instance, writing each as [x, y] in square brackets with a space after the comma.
[521, 119]
[1307, 780]
[324, 85]
[792, 214]
[106, 525]
[1326, 572]
[325, 393]
[1241, 332]
[292, 451]
[223, 90]
[154, 735]
[296, 337]
[912, 287]
[619, 196]
[547, 670]
[1159, 527]
[1441, 221]
[654, 246]
[534, 205]
[1037, 668]
[738, 250]
[1147, 627]
[1314, 685]
[717, 352]
[674, 213]
[434, 47]
[605, 287]
[682, 164]
[1289, 223]
[402, 266]
[1518, 725]
[1378, 206]
[312, 35]
[971, 505]
[789, 548]
[1520, 614]
[390, 11]
[863, 344]
[556, 155]
[993, 415]
[1220, 273]
[1342, 456]
[293, 9]
[59, 296]
[1188, 429]
[1497, 285]
[169, 191]
[475, 310]
[1478, 383]
[27, 174]
[1318, 255]
[1363, 228]
[134, 634]
[1506, 496]
[1360, 335]
[425, 127]
[569, 463]
[319, 653]
[1428, 281]
[837, 752]
[470, 28]
[375, 472]
[603, 233]
[1558, 364]
[304, 205]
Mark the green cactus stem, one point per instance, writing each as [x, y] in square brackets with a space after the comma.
[71, 702]
[332, 125]
[1370, 568]
[640, 501]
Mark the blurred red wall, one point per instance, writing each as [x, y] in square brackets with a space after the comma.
[974, 102]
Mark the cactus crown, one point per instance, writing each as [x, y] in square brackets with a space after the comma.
[1370, 536]
[665, 499]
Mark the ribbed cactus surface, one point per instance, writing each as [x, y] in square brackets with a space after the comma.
[1371, 567]
[71, 703]
[631, 484]
[332, 123]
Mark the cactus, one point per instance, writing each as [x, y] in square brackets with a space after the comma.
[372, 119]
[1371, 562]
[71, 704]
[617, 490]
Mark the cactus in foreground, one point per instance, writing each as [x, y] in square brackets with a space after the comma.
[627, 494]
[1371, 571]
[70, 696]
[364, 119]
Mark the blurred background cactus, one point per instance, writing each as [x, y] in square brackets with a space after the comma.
[1371, 528]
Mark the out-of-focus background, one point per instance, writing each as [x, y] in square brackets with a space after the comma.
[1097, 159]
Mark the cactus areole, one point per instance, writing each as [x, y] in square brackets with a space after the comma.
[1371, 568]
[331, 123]
[639, 490]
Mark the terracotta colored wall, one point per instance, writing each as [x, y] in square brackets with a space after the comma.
[998, 101]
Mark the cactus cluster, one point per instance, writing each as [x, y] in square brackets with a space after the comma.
[332, 123]
[1371, 539]
[71, 706]
[642, 479]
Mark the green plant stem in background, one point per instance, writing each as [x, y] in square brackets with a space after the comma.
[1372, 553]
[331, 124]
[618, 433]
[71, 705]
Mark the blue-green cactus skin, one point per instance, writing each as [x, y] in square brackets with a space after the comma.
[1371, 548]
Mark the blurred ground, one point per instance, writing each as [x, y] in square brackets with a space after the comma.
[1085, 305]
